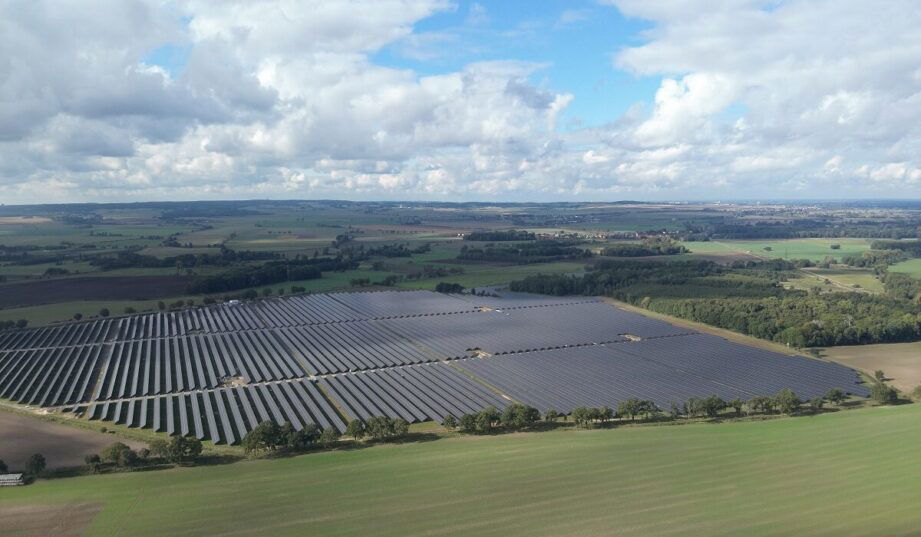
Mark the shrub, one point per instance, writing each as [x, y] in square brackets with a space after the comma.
[449, 422]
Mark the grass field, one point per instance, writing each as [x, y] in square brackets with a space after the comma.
[840, 278]
[813, 249]
[846, 473]
[900, 361]
[911, 266]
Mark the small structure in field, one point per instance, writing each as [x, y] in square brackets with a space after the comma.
[11, 480]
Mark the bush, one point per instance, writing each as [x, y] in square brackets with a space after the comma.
[356, 429]
[787, 401]
[114, 452]
[329, 437]
[36, 464]
[916, 394]
[883, 394]
[449, 422]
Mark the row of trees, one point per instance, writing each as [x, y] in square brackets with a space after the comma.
[380, 428]
[518, 417]
[514, 417]
[178, 450]
[269, 437]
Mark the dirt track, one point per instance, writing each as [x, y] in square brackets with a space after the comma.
[62, 446]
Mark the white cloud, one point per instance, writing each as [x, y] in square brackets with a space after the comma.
[283, 97]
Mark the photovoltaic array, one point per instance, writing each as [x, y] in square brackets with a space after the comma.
[217, 371]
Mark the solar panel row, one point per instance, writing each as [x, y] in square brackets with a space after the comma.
[170, 371]
[339, 348]
[663, 370]
[224, 415]
[155, 366]
[50, 377]
[414, 393]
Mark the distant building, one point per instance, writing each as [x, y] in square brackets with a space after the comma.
[11, 480]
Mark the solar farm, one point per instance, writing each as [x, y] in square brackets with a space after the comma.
[324, 359]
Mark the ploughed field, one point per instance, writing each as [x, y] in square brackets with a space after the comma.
[216, 372]
[850, 473]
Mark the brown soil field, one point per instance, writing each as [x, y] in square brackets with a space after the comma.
[62, 446]
[901, 362]
[60, 520]
[36, 292]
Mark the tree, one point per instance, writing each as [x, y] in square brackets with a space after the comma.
[449, 422]
[629, 407]
[517, 416]
[551, 415]
[129, 310]
[467, 423]
[114, 452]
[356, 429]
[400, 428]
[487, 419]
[144, 454]
[160, 448]
[736, 404]
[835, 396]
[883, 394]
[712, 406]
[582, 416]
[22, 323]
[36, 464]
[605, 414]
[816, 404]
[879, 375]
[93, 462]
[184, 448]
[304, 439]
[104, 312]
[761, 404]
[78, 316]
[916, 394]
[328, 437]
[786, 401]
[3, 468]
[161, 305]
[267, 436]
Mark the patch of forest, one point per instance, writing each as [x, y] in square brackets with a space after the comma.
[746, 297]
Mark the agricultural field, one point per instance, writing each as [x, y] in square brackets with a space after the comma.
[911, 267]
[812, 249]
[62, 446]
[744, 478]
[838, 278]
[901, 362]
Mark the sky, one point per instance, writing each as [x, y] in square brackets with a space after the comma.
[454, 100]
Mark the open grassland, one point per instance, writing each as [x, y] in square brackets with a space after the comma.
[839, 278]
[911, 266]
[901, 362]
[813, 249]
[845, 473]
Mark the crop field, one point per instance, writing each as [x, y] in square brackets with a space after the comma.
[216, 372]
[901, 362]
[812, 249]
[820, 476]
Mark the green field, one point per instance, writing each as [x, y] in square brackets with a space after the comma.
[839, 278]
[847, 473]
[911, 266]
[813, 249]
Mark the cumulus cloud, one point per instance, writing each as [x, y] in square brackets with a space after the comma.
[285, 98]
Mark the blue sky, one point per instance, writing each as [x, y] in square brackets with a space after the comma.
[577, 40]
